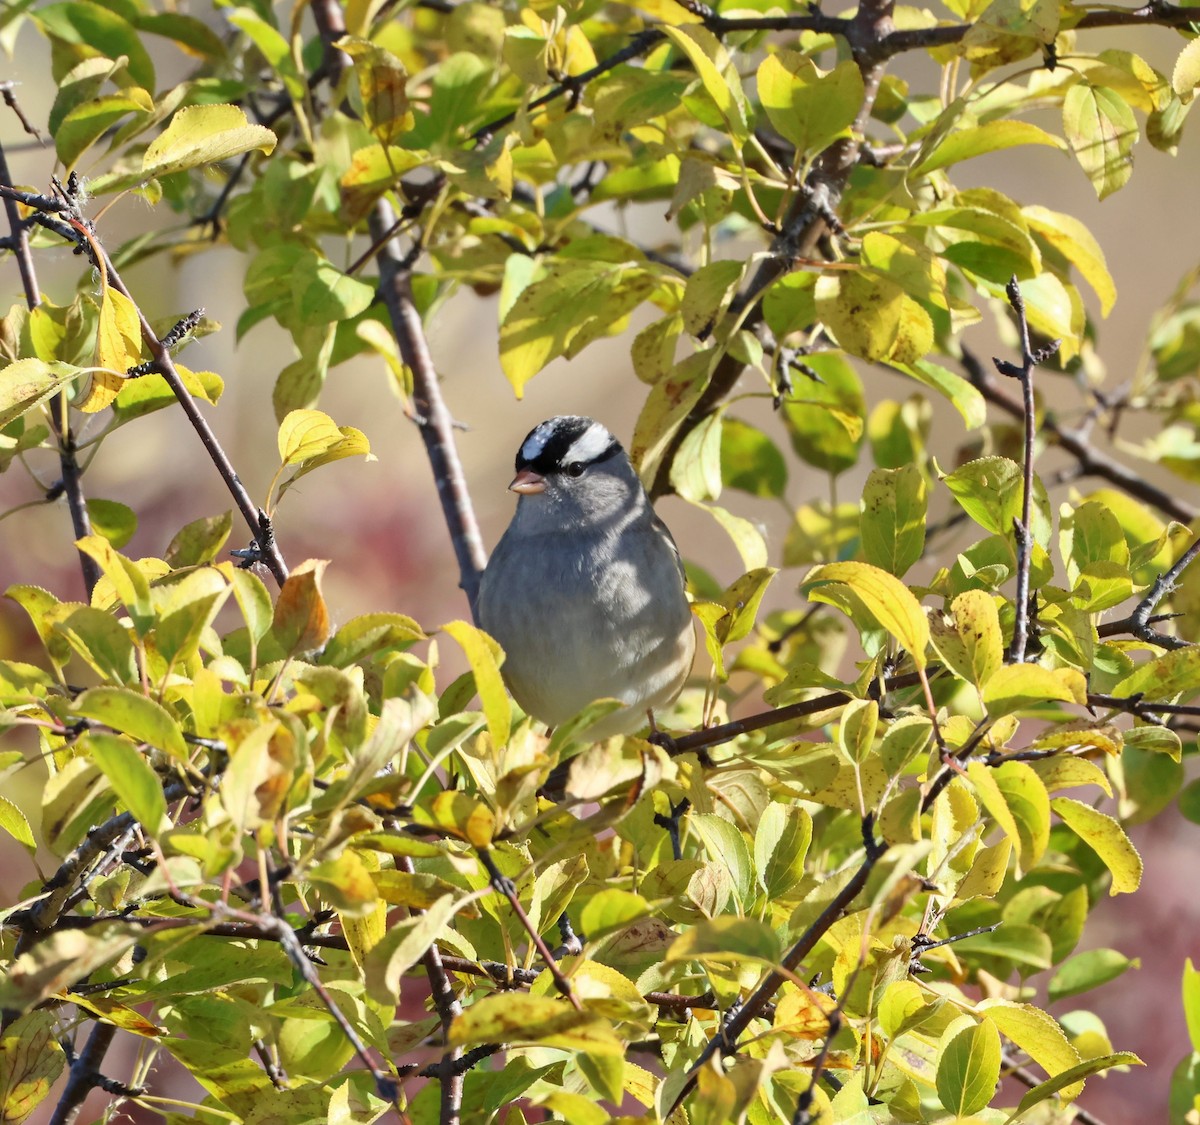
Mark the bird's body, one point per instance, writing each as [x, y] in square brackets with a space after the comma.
[585, 590]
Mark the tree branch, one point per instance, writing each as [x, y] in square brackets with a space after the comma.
[1024, 526]
[1139, 621]
[726, 1040]
[1092, 462]
[59, 410]
[451, 1073]
[85, 1074]
[432, 417]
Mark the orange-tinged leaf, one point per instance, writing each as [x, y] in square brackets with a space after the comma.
[301, 621]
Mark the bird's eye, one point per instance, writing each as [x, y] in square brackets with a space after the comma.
[576, 469]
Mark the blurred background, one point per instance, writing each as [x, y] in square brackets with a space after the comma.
[380, 524]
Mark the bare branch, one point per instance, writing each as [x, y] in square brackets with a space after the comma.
[1139, 621]
[433, 419]
[1092, 463]
[85, 1074]
[59, 412]
[1024, 527]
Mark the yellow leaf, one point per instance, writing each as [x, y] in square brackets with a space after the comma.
[118, 348]
[891, 602]
[1106, 838]
[485, 657]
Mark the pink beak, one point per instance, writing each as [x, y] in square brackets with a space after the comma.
[527, 483]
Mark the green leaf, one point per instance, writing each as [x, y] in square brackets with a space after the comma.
[134, 714]
[309, 439]
[199, 542]
[1039, 1035]
[825, 418]
[1023, 687]
[12, 821]
[87, 123]
[27, 382]
[806, 106]
[1106, 838]
[993, 136]
[1086, 971]
[1101, 130]
[483, 654]
[1073, 1077]
[990, 491]
[197, 136]
[891, 602]
[1185, 76]
[564, 310]
[726, 939]
[717, 74]
[1075, 242]
[708, 293]
[781, 841]
[863, 310]
[969, 1069]
[750, 461]
[370, 635]
[115, 521]
[856, 729]
[101, 641]
[965, 398]
[1025, 794]
[134, 782]
[31, 1059]
[1174, 674]
[696, 470]
[1191, 1002]
[99, 29]
[892, 525]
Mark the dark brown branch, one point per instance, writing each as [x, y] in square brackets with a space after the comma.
[59, 412]
[1139, 621]
[811, 217]
[451, 1073]
[432, 417]
[85, 1074]
[160, 356]
[503, 885]
[1024, 526]
[165, 365]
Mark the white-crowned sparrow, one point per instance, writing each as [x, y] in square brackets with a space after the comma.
[585, 590]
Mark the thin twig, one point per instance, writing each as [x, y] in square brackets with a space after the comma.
[433, 418]
[1139, 620]
[753, 1008]
[1024, 526]
[450, 1074]
[59, 412]
[1092, 463]
[502, 884]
